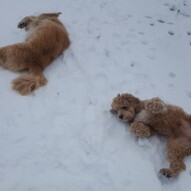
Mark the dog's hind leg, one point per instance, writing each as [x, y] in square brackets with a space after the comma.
[30, 82]
[177, 149]
[12, 57]
[2, 57]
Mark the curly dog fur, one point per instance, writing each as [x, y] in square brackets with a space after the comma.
[47, 39]
[149, 117]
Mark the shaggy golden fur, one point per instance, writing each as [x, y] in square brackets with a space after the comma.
[153, 116]
[47, 39]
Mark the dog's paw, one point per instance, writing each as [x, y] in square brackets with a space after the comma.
[140, 130]
[155, 106]
[166, 172]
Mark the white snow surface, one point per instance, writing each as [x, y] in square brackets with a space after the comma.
[63, 137]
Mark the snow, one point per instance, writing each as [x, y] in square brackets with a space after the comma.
[63, 137]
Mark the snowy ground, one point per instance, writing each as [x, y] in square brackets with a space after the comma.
[63, 137]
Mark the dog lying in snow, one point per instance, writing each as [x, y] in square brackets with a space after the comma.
[153, 116]
[47, 39]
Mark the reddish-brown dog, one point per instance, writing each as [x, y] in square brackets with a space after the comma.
[47, 39]
[155, 117]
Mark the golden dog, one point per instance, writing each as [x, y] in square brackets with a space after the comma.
[47, 39]
[153, 116]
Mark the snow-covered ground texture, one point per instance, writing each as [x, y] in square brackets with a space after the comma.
[63, 137]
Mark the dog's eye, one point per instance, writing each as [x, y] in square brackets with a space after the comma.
[124, 107]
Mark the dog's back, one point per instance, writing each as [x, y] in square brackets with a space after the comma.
[47, 39]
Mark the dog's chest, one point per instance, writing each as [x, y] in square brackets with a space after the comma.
[142, 116]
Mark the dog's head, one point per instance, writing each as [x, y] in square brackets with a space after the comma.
[126, 106]
[32, 21]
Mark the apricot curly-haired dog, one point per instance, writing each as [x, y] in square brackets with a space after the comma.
[47, 39]
[153, 116]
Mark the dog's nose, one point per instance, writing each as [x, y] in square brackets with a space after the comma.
[121, 116]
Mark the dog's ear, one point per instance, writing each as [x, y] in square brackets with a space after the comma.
[130, 114]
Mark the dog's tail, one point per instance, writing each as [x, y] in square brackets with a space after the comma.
[28, 83]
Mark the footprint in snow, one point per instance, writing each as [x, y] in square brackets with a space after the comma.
[172, 75]
[141, 33]
[173, 8]
[148, 17]
[144, 142]
[170, 23]
[160, 21]
[152, 57]
[165, 180]
[132, 30]
[134, 64]
[166, 4]
[144, 42]
[107, 53]
[171, 33]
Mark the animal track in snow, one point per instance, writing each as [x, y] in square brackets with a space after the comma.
[107, 53]
[148, 17]
[160, 21]
[172, 8]
[171, 33]
[130, 15]
[166, 4]
[144, 42]
[172, 75]
[141, 33]
[152, 57]
[134, 64]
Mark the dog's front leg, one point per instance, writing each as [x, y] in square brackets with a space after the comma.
[140, 130]
[155, 106]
